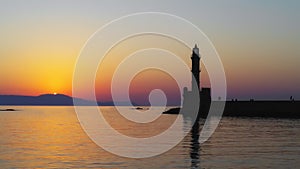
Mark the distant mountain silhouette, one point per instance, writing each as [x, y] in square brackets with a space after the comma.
[51, 100]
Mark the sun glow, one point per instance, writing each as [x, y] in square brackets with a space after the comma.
[54, 93]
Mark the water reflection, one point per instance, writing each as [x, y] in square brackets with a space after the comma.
[51, 137]
[195, 146]
[193, 140]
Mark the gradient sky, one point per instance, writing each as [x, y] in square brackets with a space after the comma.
[258, 42]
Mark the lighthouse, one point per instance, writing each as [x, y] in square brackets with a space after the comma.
[196, 69]
[189, 96]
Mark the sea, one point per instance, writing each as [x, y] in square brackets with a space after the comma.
[52, 137]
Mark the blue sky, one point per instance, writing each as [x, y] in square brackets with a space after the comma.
[258, 41]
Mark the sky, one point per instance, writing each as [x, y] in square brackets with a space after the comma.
[258, 43]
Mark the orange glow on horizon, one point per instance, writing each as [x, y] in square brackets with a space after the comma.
[114, 57]
[148, 80]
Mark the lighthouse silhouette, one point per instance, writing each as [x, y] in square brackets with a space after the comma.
[196, 68]
[196, 91]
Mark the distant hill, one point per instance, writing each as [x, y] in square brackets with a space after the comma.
[50, 100]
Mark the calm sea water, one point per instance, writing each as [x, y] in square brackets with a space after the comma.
[51, 137]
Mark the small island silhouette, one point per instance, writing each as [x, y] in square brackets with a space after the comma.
[268, 108]
[8, 110]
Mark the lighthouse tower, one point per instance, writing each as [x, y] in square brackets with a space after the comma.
[196, 69]
[189, 97]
